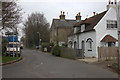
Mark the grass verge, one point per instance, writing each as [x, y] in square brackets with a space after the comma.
[7, 59]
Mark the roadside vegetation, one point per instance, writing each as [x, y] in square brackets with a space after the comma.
[36, 29]
[7, 59]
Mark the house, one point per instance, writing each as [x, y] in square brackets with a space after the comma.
[61, 28]
[96, 31]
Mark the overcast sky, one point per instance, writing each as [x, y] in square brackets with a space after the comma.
[52, 8]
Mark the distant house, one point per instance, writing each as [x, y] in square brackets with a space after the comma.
[96, 31]
[61, 28]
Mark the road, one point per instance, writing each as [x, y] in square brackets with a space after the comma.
[37, 64]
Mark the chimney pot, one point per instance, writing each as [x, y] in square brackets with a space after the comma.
[111, 2]
[79, 14]
[61, 12]
[94, 13]
[115, 2]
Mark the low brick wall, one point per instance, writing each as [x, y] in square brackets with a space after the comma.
[68, 53]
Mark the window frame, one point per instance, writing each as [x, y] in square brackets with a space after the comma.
[111, 24]
[90, 44]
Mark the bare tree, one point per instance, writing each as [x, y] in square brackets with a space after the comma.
[11, 14]
[36, 22]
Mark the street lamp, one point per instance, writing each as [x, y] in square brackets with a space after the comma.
[38, 38]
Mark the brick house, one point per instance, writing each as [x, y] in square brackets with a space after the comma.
[61, 28]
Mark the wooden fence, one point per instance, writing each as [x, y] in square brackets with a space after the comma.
[107, 53]
[71, 53]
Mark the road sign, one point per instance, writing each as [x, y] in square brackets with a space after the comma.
[11, 38]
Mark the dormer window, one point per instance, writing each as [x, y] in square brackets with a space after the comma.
[82, 27]
[76, 29]
[111, 24]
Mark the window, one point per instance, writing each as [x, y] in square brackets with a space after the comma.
[111, 44]
[89, 41]
[82, 27]
[111, 24]
[55, 32]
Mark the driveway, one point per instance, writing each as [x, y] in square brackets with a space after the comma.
[37, 64]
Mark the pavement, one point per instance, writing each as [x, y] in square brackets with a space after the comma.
[89, 60]
[37, 64]
[101, 64]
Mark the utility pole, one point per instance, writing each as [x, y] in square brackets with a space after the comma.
[38, 38]
[118, 25]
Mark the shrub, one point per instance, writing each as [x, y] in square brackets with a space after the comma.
[56, 50]
[51, 44]
[4, 43]
[64, 45]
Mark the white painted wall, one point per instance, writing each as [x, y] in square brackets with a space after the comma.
[101, 27]
[72, 38]
[99, 33]
[82, 28]
[84, 37]
[76, 29]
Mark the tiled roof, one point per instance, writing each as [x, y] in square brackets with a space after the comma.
[64, 23]
[91, 22]
[109, 38]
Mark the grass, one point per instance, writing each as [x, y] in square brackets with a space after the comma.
[7, 59]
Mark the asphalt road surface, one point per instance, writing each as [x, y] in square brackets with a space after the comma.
[42, 65]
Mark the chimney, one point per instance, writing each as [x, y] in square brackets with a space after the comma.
[111, 4]
[78, 17]
[62, 16]
[94, 13]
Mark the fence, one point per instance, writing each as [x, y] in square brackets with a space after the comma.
[71, 53]
[107, 53]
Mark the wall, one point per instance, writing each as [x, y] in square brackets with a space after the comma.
[84, 37]
[73, 38]
[63, 34]
[52, 33]
[101, 27]
[68, 53]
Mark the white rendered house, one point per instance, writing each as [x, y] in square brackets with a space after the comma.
[96, 31]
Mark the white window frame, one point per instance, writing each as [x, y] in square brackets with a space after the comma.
[111, 24]
[90, 44]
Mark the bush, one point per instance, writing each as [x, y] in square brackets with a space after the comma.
[4, 43]
[64, 45]
[51, 44]
[56, 50]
